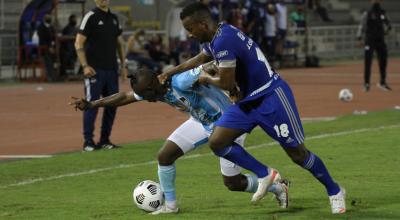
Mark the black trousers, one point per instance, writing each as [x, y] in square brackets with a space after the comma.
[380, 47]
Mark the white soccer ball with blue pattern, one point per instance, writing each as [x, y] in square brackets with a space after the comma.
[345, 95]
[147, 196]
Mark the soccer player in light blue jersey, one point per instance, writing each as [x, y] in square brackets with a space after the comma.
[263, 98]
[204, 105]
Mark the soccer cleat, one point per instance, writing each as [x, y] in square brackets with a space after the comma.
[366, 87]
[384, 86]
[107, 145]
[283, 196]
[338, 202]
[264, 183]
[165, 210]
[89, 146]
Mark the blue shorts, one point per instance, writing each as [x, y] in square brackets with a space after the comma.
[275, 113]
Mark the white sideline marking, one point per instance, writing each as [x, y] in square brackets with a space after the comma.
[28, 182]
[25, 156]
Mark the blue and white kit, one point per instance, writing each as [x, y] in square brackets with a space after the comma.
[205, 105]
[268, 101]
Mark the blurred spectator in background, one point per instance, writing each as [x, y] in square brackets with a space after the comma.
[256, 16]
[215, 8]
[321, 11]
[157, 50]
[281, 19]
[270, 29]
[46, 36]
[297, 18]
[174, 28]
[137, 50]
[237, 16]
[374, 25]
[67, 49]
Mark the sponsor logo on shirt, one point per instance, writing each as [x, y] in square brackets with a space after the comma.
[100, 22]
[222, 54]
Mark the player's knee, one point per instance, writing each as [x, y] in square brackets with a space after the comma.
[165, 159]
[216, 143]
[232, 185]
[298, 154]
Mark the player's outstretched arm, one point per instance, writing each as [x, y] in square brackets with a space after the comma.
[189, 64]
[115, 100]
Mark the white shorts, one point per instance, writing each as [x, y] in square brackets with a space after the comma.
[191, 134]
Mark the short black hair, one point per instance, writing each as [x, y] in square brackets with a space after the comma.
[142, 75]
[197, 11]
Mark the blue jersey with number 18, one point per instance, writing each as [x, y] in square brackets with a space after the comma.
[231, 48]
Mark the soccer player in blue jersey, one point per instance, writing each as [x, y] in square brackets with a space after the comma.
[264, 98]
[205, 105]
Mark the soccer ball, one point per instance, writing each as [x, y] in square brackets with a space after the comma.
[147, 195]
[345, 95]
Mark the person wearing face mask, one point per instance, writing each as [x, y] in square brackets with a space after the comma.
[137, 51]
[67, 51]
[373, 28]
[46, 36]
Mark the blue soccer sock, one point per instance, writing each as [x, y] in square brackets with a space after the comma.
[167, 175]
[252, 185]
[238, 155]
[315, 165]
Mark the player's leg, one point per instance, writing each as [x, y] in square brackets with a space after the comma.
[234, 180]
[368, 54]
[111, 86]
[232, 124]
[222, 141]
[382, 54]
[185, 138]
[282, 122]
[92, 92]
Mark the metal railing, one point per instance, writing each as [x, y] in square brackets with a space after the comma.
[8, 52]
[334, 42]
[2, 18]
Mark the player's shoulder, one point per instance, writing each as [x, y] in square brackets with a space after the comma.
[90, 14]
[228, 35]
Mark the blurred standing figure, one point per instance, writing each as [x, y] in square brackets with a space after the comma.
[374, 25]
[46, 36]
[67, 48]
[96, 45]
[281, 19]
[270, 29]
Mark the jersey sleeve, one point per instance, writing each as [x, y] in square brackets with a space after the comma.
[185, 80]
[225, 52]
[87, 24]
[206, 49]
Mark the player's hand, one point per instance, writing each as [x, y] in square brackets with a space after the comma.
[360, 44]
[163, 77]
[80, 103]
[210, 68]
[203, 79]
[235, 95]
[88, 72]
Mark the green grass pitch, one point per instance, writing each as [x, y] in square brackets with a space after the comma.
[362, 153]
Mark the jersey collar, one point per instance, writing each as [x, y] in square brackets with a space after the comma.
[218, 32]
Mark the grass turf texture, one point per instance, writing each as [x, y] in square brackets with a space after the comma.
[361, 152]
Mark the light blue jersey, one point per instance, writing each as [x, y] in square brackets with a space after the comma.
[204, 103]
